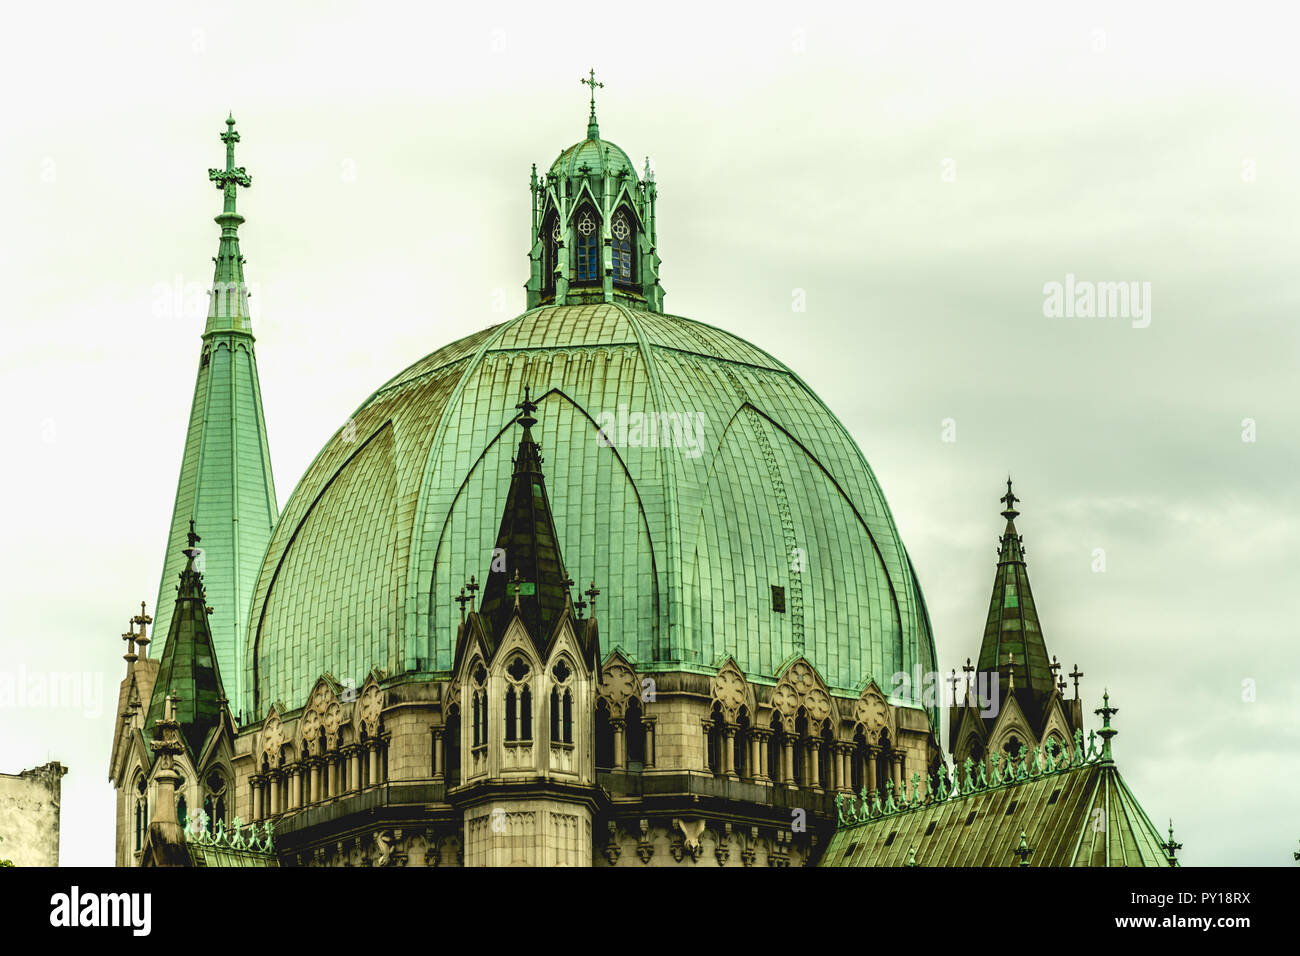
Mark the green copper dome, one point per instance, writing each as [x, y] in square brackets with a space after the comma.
[598, 155]
[741, 482]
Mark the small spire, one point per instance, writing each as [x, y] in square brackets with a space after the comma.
[593, 131]
[1011, 671]
[1106, 712]
[130, 656]
[1171, 846]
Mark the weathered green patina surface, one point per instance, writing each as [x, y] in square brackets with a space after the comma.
[751, 482]
[225, 483]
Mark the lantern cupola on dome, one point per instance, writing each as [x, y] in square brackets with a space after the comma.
[593, 227]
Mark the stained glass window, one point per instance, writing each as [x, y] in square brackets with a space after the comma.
[588, 251]
[622, 249]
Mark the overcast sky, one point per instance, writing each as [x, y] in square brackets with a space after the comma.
[921, 176]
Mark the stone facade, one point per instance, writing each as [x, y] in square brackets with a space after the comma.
[29, 815]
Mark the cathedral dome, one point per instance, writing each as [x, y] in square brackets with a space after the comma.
[717, 504]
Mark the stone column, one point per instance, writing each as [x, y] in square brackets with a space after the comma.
[870, 763]
[257, 797]
[649, 726]
[314, 764]
[439, 773]
[787, 762]
[273, 785]
[619, 726]
[707, 724]
[729, 751]
[354, 768]
[896, 762]
[331, 775]
[814, 750]
[295, 787]
[762, 740]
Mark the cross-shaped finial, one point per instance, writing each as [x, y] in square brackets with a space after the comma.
[592, 592]
[1010, 500]
[130, 656]
[591, 82]
[462, 601]
[192, 537]
[953, 680]
[230, 177]
[1076, 674]
[473, 586]
[579, 605]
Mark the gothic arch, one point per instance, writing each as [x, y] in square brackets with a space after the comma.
[801, 687]
[618, 684]
[872, 714]
[731, 691]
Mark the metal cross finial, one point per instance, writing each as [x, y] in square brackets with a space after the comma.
[591, 81]
[592, 593]
[130, 656]
[953, 680]
[1076, 674]
[192, 537]
[579, 606]
[473, 586]
[230, 177]
[462, 601]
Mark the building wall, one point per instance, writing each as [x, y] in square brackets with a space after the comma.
[29, 815]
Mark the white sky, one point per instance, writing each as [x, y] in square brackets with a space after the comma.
[796, 147]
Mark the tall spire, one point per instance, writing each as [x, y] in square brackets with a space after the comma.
[1012, 631]
[225, 482]
[188, 687]
[530, 574]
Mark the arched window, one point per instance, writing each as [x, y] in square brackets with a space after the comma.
[635, 735]
[717, 727]
[141, 811]
[742, 742]
[550, 250]
[824, 758]
[604, 737]
[478, 708]
[776, 751]
[519, 702]
[623, 247]
[561, 703]
[587, 252]
[857, 771]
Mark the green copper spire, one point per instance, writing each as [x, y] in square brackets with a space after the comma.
[1013, 638]
[225, 482]
[527, 573]
[188, 688]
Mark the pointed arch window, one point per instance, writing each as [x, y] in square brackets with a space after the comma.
[587, 251]
[141, 811]
[623, 248]
[561, 703]
[519, 703]
[551, 236]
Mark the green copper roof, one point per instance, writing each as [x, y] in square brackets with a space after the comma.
[225, 483]
[188, 667]
[1075, 813]
[1012, 627]
[685, 532]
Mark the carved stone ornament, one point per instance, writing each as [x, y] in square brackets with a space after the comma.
[369, 707]
[729, 691]
[617, 685]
